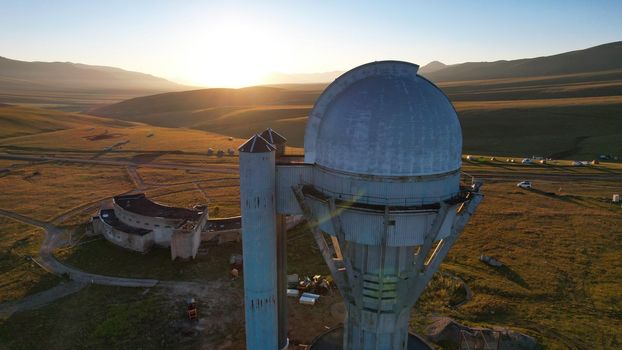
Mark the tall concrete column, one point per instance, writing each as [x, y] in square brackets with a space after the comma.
[281, 263]
[257, 202]
[280, 142]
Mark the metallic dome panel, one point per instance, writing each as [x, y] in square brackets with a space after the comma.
[384, 119]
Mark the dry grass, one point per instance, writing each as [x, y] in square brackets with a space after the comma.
[223, 197]
[19, 275]
[561, 278]
[162, 140]
[47, 190]
[536, 103]
[172, 176]
[19, 120]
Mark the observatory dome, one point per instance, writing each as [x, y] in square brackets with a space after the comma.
[383, 119]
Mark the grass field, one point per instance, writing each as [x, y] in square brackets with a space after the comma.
[100, 318]
[102, 257]
[562, 273]
[20, 120]
[172, 176]
[44, 191]
[561, 277]
[560, 242]
[19, 275]
[562, 116]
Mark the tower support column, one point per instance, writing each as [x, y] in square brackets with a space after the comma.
[281, 267]
[257, 202]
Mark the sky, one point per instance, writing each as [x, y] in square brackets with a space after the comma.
[238, 43]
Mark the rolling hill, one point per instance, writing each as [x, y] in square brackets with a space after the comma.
[22, 75]
[566, 105]
[17, 121]
[73, 86]
[604, 57]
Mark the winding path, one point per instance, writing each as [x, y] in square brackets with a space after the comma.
[78, 278]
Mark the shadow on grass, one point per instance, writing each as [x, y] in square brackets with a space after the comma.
[605, 169]
[498, 164]
[512, 276]
[564, 198]
[103, 257]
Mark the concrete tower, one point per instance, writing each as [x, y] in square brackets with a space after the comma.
[279, 143]
[380, 189]
[257, 192]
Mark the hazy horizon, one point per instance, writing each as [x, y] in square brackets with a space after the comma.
[232, 45]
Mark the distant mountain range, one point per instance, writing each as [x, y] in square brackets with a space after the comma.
[301, 78]
[598, 58]
[45, 76]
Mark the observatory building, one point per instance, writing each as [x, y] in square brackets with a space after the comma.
[380, 189]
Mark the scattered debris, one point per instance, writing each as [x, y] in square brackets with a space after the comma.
[192, 310]
[308, 298]
[317, 285]
[292, 292]
[490, 261]
[236, 261]
[292, 281]
[150, 135]
[607, 157]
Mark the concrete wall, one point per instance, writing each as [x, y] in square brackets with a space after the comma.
[94, 227]
[162, 228]
[185, 244]
[223, 236]
[138, 243]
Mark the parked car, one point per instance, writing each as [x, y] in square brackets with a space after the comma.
[524, 184]
[526, 161]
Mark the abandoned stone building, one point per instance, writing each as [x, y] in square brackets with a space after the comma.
[137, 223]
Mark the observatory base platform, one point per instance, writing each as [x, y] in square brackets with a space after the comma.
[332, 339]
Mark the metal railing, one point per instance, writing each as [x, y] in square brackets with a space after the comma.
[361, 198]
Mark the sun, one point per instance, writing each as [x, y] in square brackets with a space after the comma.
[231, 54]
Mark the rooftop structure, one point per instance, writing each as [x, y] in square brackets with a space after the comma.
[380, 189]
[137, 223]
[140, 204]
